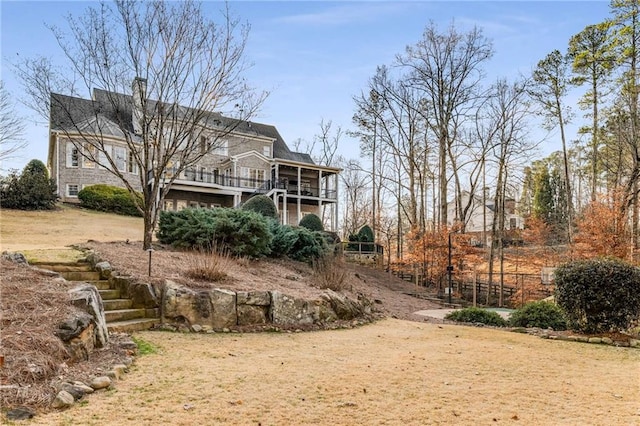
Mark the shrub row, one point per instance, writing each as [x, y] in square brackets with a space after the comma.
[241, 231]
[111, 199]
[535, 314]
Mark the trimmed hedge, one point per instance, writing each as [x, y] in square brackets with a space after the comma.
[477, 315]
[312, 222]
[261, 204]
[111, 199]
[539, 314]
[599, 295]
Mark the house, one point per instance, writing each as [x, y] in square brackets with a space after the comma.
[479, 217]
[251, 159]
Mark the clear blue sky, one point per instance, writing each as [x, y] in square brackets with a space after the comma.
[314, 56]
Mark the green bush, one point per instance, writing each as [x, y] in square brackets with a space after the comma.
[31, 190]
[261, 204]
[312, 222]
[477, 315]
[284, 238]
[365, 235]
[111, 199]
[297, 243]
[242, 232]
[308, 246]
[599, 295]
[539, 314]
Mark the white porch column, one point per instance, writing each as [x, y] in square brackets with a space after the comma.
[320, 185]
[335, 205]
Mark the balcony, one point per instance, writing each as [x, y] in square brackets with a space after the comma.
[257, 185]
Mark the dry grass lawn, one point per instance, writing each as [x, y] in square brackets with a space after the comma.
[29, 230]
[392, 372]
[389, 373]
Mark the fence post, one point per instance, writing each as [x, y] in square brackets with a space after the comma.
[475, 288]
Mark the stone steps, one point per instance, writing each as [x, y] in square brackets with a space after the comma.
[123, 314]
[109, 294]
[129, 326]
[80, 275]
[116, 304]
[119, 313]
[101, 284]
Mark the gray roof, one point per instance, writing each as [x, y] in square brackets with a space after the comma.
[112, 113]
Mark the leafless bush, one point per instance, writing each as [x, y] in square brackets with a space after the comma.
[209, 264]
[329, 272]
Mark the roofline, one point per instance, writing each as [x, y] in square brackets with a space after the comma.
[306, 165]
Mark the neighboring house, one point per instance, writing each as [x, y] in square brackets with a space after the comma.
[252, 159]
[479, 218]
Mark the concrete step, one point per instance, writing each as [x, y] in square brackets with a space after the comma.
[129, 326]
[65, 267]
[101, 284]
[116, 304]
[123, 314]
[81, 275]
[109, 294]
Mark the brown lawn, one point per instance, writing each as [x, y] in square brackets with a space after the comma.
[393, 372]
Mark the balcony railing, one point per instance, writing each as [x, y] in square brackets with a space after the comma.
[259, 185]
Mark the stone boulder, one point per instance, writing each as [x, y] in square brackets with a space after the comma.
[104, 268]
[215, 308]
[88, 299]
[346, 308]
[253, 307]
[143, 295]
[15, 257]
[287, 310]
[78, 334]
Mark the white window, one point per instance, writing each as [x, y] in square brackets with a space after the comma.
[221, 148]
[102, 156]
[90, 153]
[72, 189]
[121, 158]
[132, 166]
[253, 178]
[168, 205]
[266, 151]
[73, 156]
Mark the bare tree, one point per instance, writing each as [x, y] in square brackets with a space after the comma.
[447, 67]
[506, 113]
[11, 127]
[356, 200]
[188, 77]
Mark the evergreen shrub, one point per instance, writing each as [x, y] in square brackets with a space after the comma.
[30, 190]
[111, 199]
[539, 314]
[599, 295]
[312, 222]
[261, 204]
[241, 232]
[477, 315]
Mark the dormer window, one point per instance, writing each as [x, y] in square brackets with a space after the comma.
[266, 151]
